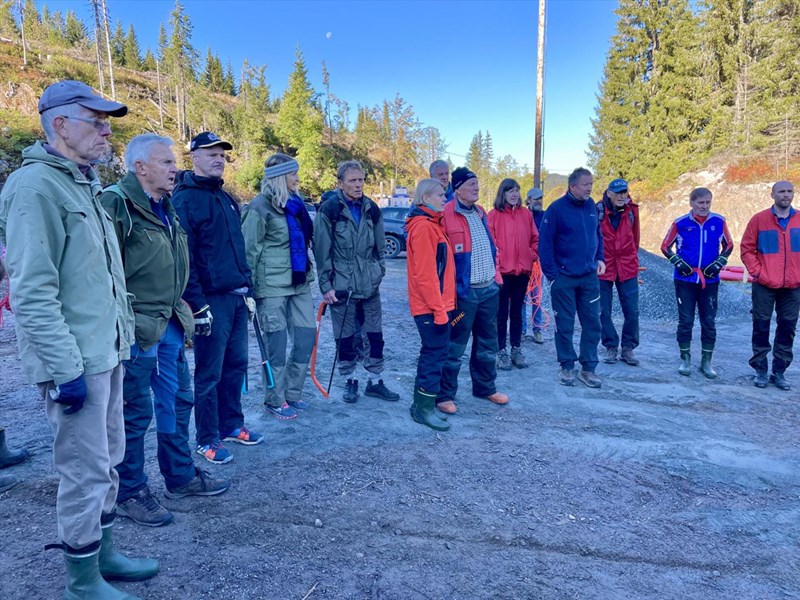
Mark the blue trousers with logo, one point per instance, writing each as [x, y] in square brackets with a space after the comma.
[581, 296]
[164, 370]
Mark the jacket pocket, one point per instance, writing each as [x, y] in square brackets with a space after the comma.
[794, 239]
[767, 241]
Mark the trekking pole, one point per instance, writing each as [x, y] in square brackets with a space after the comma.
[320, 313]
[264, 358]
[339, 339]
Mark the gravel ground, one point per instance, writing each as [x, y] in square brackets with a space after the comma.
[655, 486]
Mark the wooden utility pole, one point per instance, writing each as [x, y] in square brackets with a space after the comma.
[537, 148]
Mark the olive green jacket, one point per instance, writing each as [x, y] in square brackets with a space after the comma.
[266, 240]
[155, 257]
[72, 312]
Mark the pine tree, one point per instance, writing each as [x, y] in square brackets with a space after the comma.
[32, 20]
[118, 45]
[213, 75]
[230, 81]
[131, 54]
[74, 30]
[149, 61]
[8, 24]
[162, 43]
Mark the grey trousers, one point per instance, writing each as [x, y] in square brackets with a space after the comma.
[86, 446]
[344, 327]
[281, 318]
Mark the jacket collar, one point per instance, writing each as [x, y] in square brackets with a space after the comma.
[141, 201]
[37, 154]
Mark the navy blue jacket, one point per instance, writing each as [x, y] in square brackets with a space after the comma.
[211, 219]
[570, 241]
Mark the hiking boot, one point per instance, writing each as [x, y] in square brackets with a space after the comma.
[284, 412]
[351, 391]
[423, 411]
[538, 338]
[144, 509]
[628, 357]
[503, 362]
[215, 453]
[780, 381]
[761, 380]
[610, 356]
[705, 365]
[498, 398]
[115, 566]
[686, 362]
[567, 377]
[379, 390]
[8, 456]
[202, 485]
[298, 404]
[244, 436]
[7, 482]
[448, 407]
[517, 359]
[590, 379]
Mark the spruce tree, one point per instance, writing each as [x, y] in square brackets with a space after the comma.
[131, 53]
[230, 80]
[149, 61]
[74, 30]
[8, 24]
[118, 45]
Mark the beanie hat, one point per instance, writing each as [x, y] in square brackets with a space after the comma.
[462, 175]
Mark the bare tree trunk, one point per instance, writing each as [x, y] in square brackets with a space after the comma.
[160, 98]
[537, 148]
[108, 50]
[98, 56]
[22, 31]
[178, 111]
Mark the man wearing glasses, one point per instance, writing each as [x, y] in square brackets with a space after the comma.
[74, 324]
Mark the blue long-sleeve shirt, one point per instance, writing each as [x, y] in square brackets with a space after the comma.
[570, 241]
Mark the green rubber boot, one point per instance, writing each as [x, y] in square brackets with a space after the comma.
[423, 411]
[705, 363]
[84, 581]
[686, 361]
[115, 566]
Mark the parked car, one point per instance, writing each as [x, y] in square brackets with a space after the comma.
[394, 220]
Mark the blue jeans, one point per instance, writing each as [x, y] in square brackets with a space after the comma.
[628, 292]
[162, 368]
[477, 316]
[220, 365]
[581, 296]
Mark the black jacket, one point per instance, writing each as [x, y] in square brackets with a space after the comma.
[210, 217]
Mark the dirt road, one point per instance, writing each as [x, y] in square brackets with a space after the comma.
[655, 486]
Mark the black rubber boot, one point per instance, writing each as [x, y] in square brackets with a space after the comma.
[84, 581]
[115, 566]
[10, 457]
[705, 363]
[423, 411]
[686, 361]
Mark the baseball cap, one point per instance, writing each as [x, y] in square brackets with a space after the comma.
[206, 139]
[69, 91]
[535, 193]
[618, 185]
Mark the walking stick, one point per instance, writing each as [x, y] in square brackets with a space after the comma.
[339, 339]
[264, 358]
[320, 313]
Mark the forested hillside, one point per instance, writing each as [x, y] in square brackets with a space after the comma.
[177, 90]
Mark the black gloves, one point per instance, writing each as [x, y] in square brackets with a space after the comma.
[683, 267]
[712, 270]
[203, 320]
[71, 394]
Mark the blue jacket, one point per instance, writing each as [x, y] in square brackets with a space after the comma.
[211, 219]
[570, 241]
[698, 244]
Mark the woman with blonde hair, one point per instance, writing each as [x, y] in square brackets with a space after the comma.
[277, 233]
[431, 296]
[517, 241]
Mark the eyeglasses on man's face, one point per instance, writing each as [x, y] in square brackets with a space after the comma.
[98, 124]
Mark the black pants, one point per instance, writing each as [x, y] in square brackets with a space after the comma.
[691, 296]
[581, 296]
[786, 303]
[433, 353]
[512, 295]
[628, 292]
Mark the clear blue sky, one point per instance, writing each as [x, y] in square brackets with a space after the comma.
[463, 65]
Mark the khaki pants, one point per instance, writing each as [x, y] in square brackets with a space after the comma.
[282, 318]
[86, 447]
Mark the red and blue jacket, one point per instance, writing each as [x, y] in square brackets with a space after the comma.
[699, 242]
[771, 252]
[457, 230]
